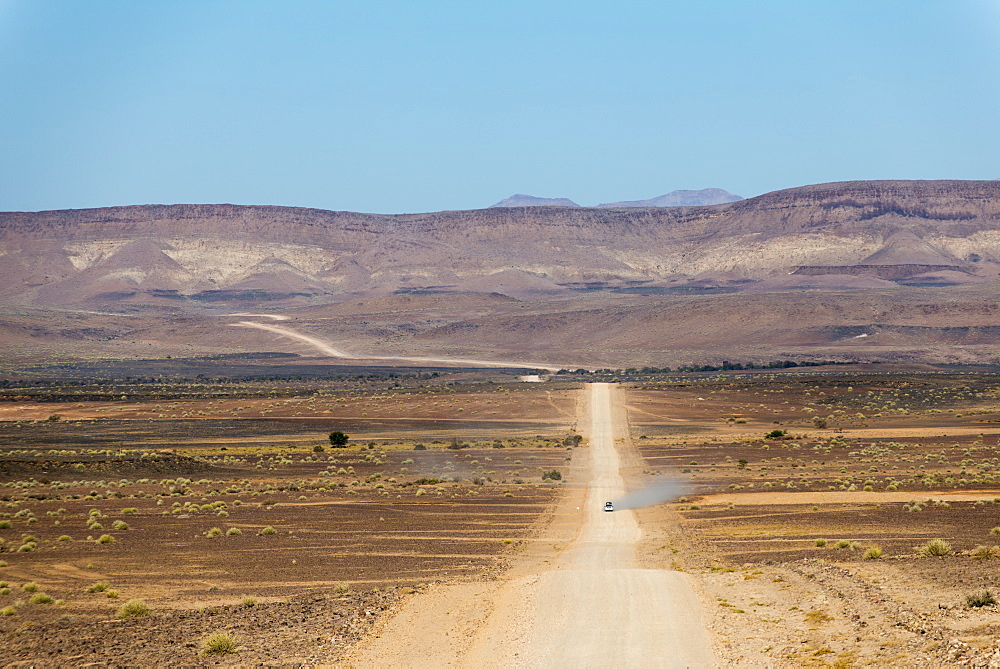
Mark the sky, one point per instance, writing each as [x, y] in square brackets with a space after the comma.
[402, 106]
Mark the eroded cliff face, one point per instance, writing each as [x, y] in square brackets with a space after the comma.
[217, 253]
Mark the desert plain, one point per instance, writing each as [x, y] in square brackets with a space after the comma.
[810, 499]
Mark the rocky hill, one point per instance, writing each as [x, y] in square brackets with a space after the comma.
[830, 236]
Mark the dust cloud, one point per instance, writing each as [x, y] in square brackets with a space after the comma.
[653, 493]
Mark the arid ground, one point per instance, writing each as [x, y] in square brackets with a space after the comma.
[792, 481]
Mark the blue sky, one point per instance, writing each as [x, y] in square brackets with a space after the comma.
[420, 106]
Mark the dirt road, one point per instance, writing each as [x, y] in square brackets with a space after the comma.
[325, 348]
[581, 604]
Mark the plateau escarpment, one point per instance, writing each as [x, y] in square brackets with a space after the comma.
[211, 253]
[883, 270]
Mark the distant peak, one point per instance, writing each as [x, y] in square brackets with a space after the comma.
[681, 198]
[521, 200]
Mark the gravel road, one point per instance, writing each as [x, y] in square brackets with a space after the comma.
[582, 604]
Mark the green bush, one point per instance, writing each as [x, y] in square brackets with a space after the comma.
[100, 586]
[234, 532]
[133, 608]
[267, 531]
[820, 543]
[981, 598]
[30, 587]
[986, 553]
[935, 548]
[119, 525]
[105, 539]
[40, 598]
[873, 553]
[214, 532]
[219, 643]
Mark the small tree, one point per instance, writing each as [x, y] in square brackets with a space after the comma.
[338, 439]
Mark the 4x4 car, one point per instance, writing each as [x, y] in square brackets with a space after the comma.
[608, 506]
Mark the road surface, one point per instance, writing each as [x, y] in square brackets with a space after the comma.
[325, 348]
[581, 605]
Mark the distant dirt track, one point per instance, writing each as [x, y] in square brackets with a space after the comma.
[326, 349]
[583, 606]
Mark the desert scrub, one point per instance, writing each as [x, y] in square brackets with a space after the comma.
[214, 532]
[8, 611]
[133, 608]
[820, 543]
[873, 553]
[105, 539]
[843, 543]
[40, 598]
[935, 548]
[978, 599]
[249, 601]
[985, 553]
[995, 531]
[234, 532]
[341, 588]
[100, 586]
[219, 643]
[267, 531]
[119, 525]
[111, 594]
[30, 587]
[65, 537]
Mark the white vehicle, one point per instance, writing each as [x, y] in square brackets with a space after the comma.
[608, 506]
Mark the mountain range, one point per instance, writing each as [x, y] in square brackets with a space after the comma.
[880, 269]
[677, 198]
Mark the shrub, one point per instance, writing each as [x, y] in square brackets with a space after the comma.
[267, 531]
[234, 532]
[26, 548]
[65, 537]
[105, 539]
[553, 475]
[111, 594]
[843, 543]
[30, 587]
[873, 553]
[214, 532]
[338, 439]
[6, 525]
[820, 543]
[100, 586]
[775, 434]
[995, 531]
[249, 601]
[341, 588]
[133, 608]
[981, 598]
[986, 553]
[935, 548]
[119, 525]
[318, 449]
[130, 509]
[40, 598]
[7, 611]
[4, 590]
[219, 643]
